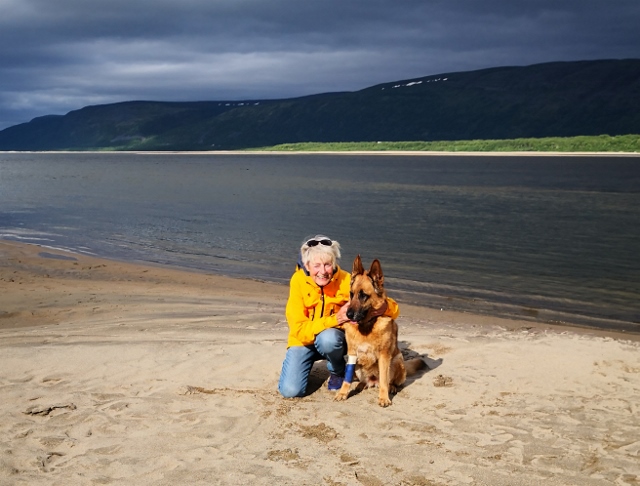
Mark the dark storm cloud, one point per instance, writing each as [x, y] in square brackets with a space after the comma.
[59, 55]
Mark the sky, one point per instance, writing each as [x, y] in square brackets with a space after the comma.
[61, 55]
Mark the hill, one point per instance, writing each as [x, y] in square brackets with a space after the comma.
[561, 99]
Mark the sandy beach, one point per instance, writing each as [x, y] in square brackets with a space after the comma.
[115, 373]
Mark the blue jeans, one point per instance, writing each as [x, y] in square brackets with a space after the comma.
[330, 344]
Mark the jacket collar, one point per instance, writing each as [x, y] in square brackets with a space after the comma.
[301, 265]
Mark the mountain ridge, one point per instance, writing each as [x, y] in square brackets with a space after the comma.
[557, 99]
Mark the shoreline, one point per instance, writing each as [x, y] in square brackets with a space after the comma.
[338, 152]
[42, 258]
[124, 373]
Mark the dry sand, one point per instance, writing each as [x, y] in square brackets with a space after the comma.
[115, 373]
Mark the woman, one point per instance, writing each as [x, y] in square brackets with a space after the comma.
[316, 312]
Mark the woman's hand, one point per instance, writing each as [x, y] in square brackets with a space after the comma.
[341, 316]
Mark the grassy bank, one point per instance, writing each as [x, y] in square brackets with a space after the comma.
[601, 143]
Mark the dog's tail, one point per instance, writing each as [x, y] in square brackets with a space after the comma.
[414, 365]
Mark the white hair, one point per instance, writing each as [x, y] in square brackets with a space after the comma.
[329, 252]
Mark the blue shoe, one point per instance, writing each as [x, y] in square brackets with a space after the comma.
[335, 382]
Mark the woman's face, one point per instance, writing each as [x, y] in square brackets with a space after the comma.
[321, 271]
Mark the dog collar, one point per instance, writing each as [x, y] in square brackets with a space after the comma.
[381, 310]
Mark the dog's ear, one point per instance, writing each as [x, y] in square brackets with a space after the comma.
[376, 276]
[358, 269]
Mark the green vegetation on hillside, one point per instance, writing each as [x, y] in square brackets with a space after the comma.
[601, 143]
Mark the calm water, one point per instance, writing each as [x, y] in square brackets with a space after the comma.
[554, 239]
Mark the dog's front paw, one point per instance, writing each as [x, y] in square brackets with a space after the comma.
[384, 401]
[343, 392]
[340, 396]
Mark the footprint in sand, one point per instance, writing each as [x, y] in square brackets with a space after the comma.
[442, 380]
[45, 410]
[48, 460]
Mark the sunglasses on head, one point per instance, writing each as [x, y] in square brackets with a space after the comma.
[325, 242]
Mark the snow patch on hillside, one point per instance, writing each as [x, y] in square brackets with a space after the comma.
[414, 83]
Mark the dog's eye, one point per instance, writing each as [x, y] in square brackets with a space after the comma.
[351, 295]
[362, 296]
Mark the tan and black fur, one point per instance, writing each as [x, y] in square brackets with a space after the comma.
[374, 340]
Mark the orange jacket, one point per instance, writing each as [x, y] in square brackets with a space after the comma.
[312, 309]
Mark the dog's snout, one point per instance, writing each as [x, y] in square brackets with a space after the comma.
[350, 313]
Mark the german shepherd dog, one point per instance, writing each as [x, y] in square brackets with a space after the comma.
[373, 342]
